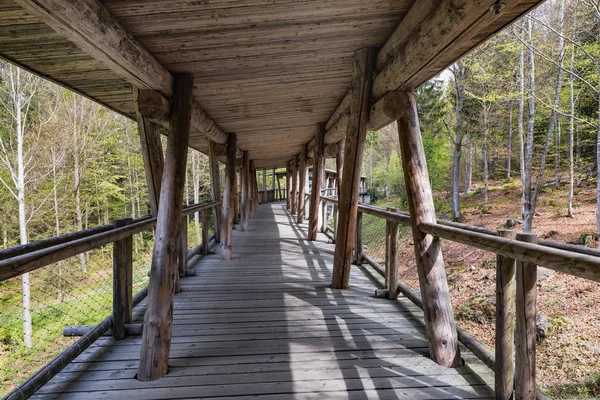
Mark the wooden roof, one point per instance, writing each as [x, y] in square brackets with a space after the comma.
[266, 70]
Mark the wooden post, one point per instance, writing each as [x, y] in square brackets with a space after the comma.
[288, 186]
[182, 259]
[275, 197]
[505, 322]
[236, 200]
[205, 234]
[294, 183]
[317, 180]
[439, 320]
[228, 199]
[279, 194]
[526, 309]
[253, 190]
[324, 213]
[301, 186]
[122, 281]
[215, 187]
[246, 192]
[355, 145]
[393, 259]
[152, 154]
[358, 240]
[339, 165]
[156, 341]
[264, 182]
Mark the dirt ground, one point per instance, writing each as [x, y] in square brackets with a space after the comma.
[568, 360]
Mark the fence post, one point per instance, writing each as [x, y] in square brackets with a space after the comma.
[182, 259]
[525, 326]
[205, 232]
[324, 213]
[335, 221]
[505, 321]
[393, 258]
[358, 240]
[122, 281]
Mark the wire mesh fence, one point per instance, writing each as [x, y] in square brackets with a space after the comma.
[76, 291]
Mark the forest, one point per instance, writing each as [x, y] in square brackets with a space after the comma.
[511, 132]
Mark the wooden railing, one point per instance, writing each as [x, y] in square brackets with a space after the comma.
[23, 259]
[520, 253]
[267, 196]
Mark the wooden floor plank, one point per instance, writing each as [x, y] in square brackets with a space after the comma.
[267, 324]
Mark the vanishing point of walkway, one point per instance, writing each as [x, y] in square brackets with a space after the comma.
[266, 325]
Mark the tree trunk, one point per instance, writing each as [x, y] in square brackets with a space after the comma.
[156, 339]
[486, 171]
[468, 166]
[570, 135]
[455, 179]
[528, 154]
[509, 142]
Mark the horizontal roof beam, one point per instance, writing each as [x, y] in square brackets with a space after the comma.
[89, 25]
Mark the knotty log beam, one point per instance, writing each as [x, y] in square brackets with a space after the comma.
[294, 183]
[246, 192]
[317, 180]
[288, 186]
[89, 25]
[301, 186]
[122, 281]
[152, 154]
[156, 341]
[228, 199]
[505, 322]
[215, 185]
[526, 308]
[439, 320]
[355, 144]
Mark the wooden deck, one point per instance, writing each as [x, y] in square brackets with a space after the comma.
[266, 325]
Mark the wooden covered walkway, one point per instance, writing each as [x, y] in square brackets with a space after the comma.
[266, 324]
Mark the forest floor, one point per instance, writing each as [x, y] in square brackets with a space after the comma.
[568, 359]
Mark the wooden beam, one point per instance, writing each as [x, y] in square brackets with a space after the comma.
[355, 145]
[152, 153]
[228, 199]
[246, 192]
[439, 320]
[156, 341]
[317, 181]
[215, 185]
[89, 25]
[294, 183]
[301, 186]
[122, 281]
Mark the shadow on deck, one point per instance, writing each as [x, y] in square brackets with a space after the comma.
[267, 325]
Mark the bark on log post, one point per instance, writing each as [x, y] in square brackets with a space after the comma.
[439, 320]
[215, 187]
[505, 322]
[205, 234]
[152, 154]
[122, 281]
[526, 308]
[228, 199]
[301, 186]
[246, 192]
[358, 240]
[317, 181]
[294, 183]
[156, 341]
[288, 186]
[355, 145]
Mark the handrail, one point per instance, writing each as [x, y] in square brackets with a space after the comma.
[30, 261]
[574, 260]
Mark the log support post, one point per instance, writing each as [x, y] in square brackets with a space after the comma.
[182, 259]
[228, 199]
[317, 181]
[246, 192]
[205, 234]
[215, 187]
[288, 186]
[439, 319]
[156, 340]
[122, 281]
[152, 154]
[294, 189]
[358, 240]
[237, 176]
[526, 309]
[505, 322]
[301, 186]
[355, 144]
[324, 213]
[392, 266]
[253, 190]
